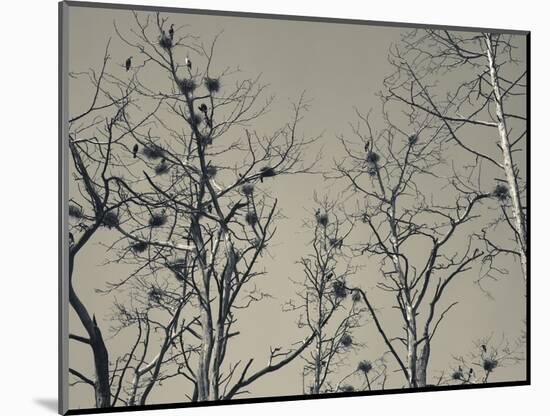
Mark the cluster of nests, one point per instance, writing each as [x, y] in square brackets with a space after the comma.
[188, 86]
[154, 152]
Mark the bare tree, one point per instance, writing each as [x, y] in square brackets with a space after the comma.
[92, 136]
[322, 298]
[194, 202]
[412, 231]
[484, 93]
[485, 360]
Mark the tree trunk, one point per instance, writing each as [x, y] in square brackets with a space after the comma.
[411, 345]
[97, 344]
[511, 178]
[422, 366]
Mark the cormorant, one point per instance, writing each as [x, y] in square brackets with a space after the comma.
[188, 63]
[203, 108]
[367, 146]
[128, 63]
[135, 150]
[171, 31]
[484, 348]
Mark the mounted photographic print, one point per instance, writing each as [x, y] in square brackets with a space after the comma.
[263, 208]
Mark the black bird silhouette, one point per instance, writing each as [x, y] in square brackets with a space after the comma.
[484, 348]
[135, 150]
[128, 63]
[203, 108]
[188, 63]
[71, 238]
[367, 146]
[471, 370]
[210, 208]
[329, 276]
[171, 31]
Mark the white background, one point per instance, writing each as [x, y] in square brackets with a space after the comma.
[28, 205]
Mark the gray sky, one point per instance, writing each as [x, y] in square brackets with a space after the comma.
[340, 67]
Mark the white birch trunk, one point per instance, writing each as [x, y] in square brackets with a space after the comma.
[519, 219]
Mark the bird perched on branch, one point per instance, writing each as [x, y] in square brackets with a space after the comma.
[135, 150]
[188, 63]
[128, 63]
[368, 145]
[171, 32]
[203, 108]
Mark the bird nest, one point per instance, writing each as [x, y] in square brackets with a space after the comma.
[153, 152]
[75, 211]
[157, 220]
[247, 189]
[339, 289]
[489, 364]
[346, 340]
[165, 42]
[139, 247]
[162, 168]
[187, 86]
[212, 85]
[501, 192]
[373, 157]
[365, 366]
[322, 220]
[346, 388]
[211, 171]
[251, 218]
[457, 375]
[110, 220]
[196, 119]
[155, 294]
[267, 172]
